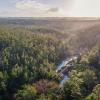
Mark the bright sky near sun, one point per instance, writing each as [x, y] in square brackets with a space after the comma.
[49, 8]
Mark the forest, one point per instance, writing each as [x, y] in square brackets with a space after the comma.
[31, 50]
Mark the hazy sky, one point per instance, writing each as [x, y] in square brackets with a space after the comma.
[49, 8]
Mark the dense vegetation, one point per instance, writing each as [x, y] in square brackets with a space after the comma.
[28, 60]
[73, 31]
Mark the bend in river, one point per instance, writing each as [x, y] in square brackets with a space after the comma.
[63, 64]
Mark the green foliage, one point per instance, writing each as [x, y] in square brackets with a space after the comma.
[26, 58]
[92, 57]
[95, 95]
[71, 87]
[27, 93]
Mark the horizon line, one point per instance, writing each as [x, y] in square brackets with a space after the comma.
[47, 17]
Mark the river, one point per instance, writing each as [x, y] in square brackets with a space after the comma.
[64, 63]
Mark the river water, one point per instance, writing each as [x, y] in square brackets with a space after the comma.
[64, 63]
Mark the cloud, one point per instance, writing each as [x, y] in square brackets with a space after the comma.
[31, 8]
[35, 8]
[55, 9]
[31, 4]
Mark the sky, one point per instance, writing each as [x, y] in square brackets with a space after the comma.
[49, 8]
